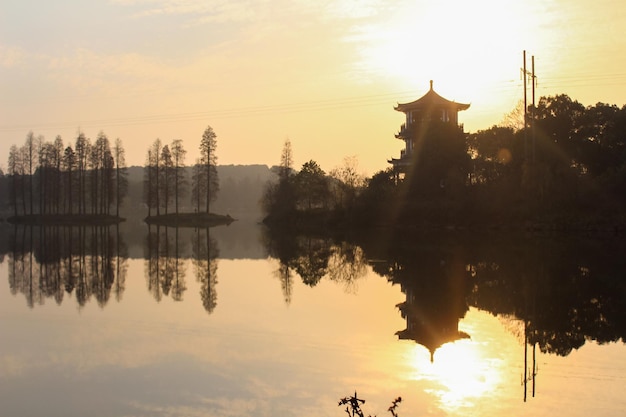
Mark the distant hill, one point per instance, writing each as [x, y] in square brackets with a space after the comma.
[241, 189]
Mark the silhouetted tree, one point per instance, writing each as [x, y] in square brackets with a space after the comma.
[279, 198]
[121, 175]
[30, 163]
[312, 186]
[178, 156]
[199, 183]
[167, 176]
[15, 171]
[208, 147]
[152, 178]
[82, 150]
[346, 182]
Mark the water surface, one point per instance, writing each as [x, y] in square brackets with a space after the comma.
[236, 322]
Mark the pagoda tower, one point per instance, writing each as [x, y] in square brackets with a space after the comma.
[418, 114]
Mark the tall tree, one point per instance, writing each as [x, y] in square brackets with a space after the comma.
[286, 161]
[121, 174]
[148, 188]
[178, 156]
[14, 168]
[101, 174]
[58, 160]
[167, 174]
[69, 163]
[82, 150]
[198, 185]
[208, 146]
[30, 155]
[154, 165]
[312, 186]
[279, 198]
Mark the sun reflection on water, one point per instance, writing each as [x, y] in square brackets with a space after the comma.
[462, 374]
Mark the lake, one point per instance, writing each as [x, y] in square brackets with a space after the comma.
[237, 321]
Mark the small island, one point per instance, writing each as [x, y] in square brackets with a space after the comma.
[66, 220]
[190, 220]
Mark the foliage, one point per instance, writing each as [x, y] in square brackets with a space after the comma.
[353, 406]
[208, 164]
[567, 166]
[311, 184]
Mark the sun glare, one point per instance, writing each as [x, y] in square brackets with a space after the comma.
[460, 45]
[461, 372]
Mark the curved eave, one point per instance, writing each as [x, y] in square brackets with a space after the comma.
[399, 162]
[430, 99]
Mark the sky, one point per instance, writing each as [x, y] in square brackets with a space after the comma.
[323, 74]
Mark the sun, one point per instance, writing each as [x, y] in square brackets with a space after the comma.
[470, 49]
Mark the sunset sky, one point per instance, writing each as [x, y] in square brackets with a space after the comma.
[324, 74]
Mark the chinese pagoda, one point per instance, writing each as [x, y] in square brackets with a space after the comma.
[429, 107]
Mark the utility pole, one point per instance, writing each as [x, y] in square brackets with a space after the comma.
[532, 115]
[524, 74]
[533, 78]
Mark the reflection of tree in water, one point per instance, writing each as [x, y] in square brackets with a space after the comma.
[165, 270]
[49, 261]
[347, 264]
[311, 261]
[565, 291]
[285, 275]
[205, 253]
[313, 258]
[283, 247]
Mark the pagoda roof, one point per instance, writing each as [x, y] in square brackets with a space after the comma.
[430, 99]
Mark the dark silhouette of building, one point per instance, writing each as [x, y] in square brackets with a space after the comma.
[419, 113]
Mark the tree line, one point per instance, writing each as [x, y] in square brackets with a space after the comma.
[563, 164]
[165, 179]
[91, 177]
[49, 178]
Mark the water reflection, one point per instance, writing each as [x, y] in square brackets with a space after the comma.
[205, 254]
[166, 249]
[550, 295]
[561, 292]
[52, 261]
[313, 258]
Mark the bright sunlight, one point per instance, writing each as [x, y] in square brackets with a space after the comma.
[445, 48]
[465, 371]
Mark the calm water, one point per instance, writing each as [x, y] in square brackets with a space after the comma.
[237, 322]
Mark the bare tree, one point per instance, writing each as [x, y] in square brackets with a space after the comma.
[286, 161]
[347, 182]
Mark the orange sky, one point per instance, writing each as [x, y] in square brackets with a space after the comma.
[324, 74]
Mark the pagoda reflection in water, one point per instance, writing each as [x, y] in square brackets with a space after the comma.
[435, 281]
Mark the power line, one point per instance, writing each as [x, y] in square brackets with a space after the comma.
[504, 87]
